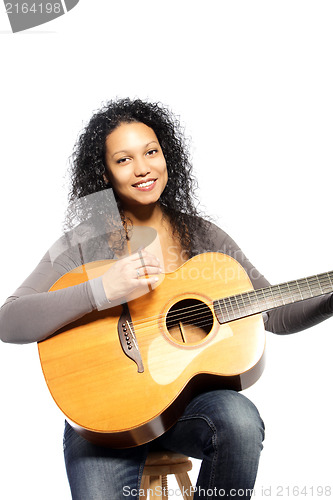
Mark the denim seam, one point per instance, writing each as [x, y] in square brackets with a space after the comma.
[142, 465]
[214, 440]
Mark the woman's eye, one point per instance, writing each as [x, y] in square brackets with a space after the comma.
[151, 152]
[122, 160]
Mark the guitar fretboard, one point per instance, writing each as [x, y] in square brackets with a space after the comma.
[264, 299]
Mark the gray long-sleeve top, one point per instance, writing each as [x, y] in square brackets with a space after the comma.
[33, 313]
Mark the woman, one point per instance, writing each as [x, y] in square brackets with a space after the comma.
[136, 148]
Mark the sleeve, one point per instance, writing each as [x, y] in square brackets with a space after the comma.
[33, 313]
[286, 319]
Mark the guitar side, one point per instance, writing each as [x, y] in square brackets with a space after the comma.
[99, 388]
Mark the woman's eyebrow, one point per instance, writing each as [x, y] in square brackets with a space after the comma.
[125, 152]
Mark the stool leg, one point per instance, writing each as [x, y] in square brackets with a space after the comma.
[144, 487]
[185, 485]
[165, 487]
[161, 493]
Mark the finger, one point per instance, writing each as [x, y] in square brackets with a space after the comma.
[147, 270]
[147, 260]
[152, 280]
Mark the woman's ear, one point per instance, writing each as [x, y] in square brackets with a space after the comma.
[106, 179]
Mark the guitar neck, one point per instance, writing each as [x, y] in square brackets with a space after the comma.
[271, 297]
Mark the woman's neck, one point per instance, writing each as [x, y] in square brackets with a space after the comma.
[151, 215]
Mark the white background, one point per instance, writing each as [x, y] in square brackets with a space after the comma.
[252, 82]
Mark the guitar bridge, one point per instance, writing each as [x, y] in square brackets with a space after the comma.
[128, 339]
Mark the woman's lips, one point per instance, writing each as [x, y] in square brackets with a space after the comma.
[147, 185]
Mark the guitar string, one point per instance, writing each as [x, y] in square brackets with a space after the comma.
[152, 319]
[189, 328]
[226, 313]
[206, 320]
[229, 308]
[146, 339]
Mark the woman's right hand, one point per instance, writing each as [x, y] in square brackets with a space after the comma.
[126, 277]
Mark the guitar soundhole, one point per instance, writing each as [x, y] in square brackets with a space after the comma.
[189, 321]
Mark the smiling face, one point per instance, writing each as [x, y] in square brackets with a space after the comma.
[136, 166]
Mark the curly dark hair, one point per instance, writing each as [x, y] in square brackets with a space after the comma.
[88, 166]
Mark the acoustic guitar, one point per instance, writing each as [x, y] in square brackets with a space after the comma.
[123, 376]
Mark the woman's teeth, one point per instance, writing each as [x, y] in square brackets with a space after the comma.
[145, 184]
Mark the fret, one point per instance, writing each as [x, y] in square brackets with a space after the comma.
[250, 303]
[233, 303]
[320, 286]
[309, 287]
[299, 289]
[272, 294]
[291, 297]
[242, 299]
[317, 285]
[230, 307]
[281, 295]
[325, 284]
[262, 300]
[285, 293]
[226, 309]
[218, 313]
[238, 307]
[329, 280]
[258, 300]
[297, 292]
[258, 303]
[278, 297]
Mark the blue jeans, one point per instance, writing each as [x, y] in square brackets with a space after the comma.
[222, 428]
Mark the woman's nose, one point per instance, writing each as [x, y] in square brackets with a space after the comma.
[141, 168]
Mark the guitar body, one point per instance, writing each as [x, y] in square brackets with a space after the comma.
[115, 400]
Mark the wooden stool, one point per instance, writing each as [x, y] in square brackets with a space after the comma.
[159, 465]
